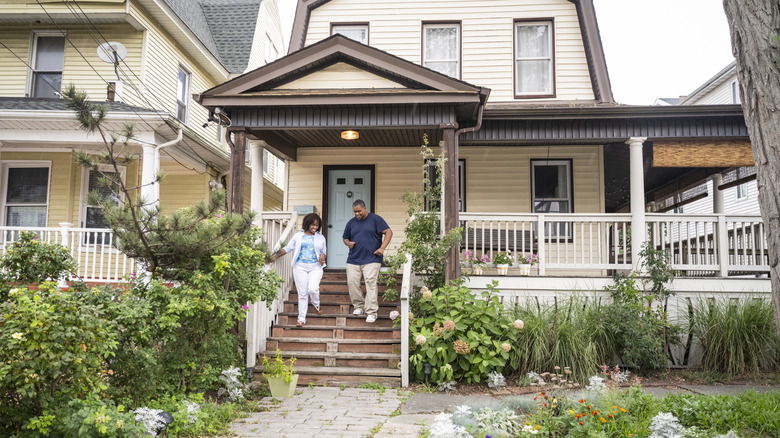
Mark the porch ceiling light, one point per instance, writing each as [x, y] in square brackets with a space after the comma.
[350, 135]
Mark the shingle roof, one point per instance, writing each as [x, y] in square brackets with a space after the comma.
[53, 104]
[225, 27]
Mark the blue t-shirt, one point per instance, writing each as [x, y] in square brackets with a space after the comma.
[367, 235]
[307, 253]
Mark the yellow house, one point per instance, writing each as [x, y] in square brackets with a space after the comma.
[144, 59]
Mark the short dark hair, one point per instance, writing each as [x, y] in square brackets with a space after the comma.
[359, 203]
[310, 219]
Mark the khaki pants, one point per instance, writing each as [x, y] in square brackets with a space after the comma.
[370, 274]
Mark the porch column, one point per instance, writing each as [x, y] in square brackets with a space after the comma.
[717, 195]
[237, 163]
[256, 203]
[636, 169]
[149, 168]
[450, 201]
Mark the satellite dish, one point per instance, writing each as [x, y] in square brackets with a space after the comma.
[106, 52]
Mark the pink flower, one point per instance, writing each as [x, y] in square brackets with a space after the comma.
[485, 258]
[394, 314]
[449, 325]
[518, 324]
[506, 347]
[420, 340]
[426, 293]
[218, 215]
[245, 307]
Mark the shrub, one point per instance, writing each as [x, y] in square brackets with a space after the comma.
[53, 347]
[736, 336]
[462, 335]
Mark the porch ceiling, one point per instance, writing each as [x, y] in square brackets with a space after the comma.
[369, 137]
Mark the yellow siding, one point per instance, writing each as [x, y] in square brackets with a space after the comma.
[497, 178]
[179, 191]
[340, 76]
[487, 36]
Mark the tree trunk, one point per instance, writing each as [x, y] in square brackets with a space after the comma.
[755, 26]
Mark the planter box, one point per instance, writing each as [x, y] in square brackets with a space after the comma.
[282, 389]
[525, 269]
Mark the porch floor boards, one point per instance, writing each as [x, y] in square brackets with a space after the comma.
[337, 348]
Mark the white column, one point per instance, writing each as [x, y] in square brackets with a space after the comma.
[149, 167]
[256, 161]
[717, 195]
[638, 227]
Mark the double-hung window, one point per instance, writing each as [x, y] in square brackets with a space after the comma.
[441, 48]
[48, 59]
[433, 179]
[551, 191]
[108, 192]
[182, 90]
[356, 31]
[742, 189]
[534, 69]
[25, 194]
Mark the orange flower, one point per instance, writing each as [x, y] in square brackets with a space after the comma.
[614, 407]
[594, 413]
[603, 420]
[610, 415]
[581, 401]
[580, 423]
[622, 410]
[577, 416]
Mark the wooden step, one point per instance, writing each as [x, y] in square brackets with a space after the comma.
[285, 344]
[348, 376]
[335, 332]
[341, 308]
[338, 359]
[331, 319]
[339, 297]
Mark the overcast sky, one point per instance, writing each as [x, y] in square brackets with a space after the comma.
[659, 48]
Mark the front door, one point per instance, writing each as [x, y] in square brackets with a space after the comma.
[345, 186]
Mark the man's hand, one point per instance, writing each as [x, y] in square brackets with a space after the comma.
[350, 244]
[380, 251]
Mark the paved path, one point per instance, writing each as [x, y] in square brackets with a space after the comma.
[352, 412]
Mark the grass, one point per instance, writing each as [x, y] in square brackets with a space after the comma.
[373, 385]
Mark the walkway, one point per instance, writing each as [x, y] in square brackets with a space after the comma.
[330, 412]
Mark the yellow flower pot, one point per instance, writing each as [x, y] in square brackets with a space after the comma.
[477, 270]
[503, 269]
[525, 269]
[280, 388]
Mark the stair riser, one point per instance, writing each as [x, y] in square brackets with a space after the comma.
[353, 363]
[338, 298]
[336, 381]
[315, 320]
[322, 347]
[313, 332]
[384, 311]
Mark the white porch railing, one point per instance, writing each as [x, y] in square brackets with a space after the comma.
[406, 288]
[278, 227]
[94, 249]
[699, 244]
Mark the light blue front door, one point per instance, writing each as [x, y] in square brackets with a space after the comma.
[344, 188]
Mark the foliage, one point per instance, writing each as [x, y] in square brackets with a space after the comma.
[736, 336]
[234, 387]
[278, 368]
[566, 333]
[462, 335]
[53, 347]
[636, 319]
[390, 278]
[29, 260]
[90, 418]
[530, 259]
[502, 258]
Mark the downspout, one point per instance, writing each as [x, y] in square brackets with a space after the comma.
[157, 150]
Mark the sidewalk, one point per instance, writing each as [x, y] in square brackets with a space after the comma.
[352, 412]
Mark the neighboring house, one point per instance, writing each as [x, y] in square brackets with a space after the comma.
[167, 50]
[737, 192]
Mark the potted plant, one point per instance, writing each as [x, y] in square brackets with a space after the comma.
[502, 261]
[526, 262]
[282, 379]
[478, 265]
[468, 259]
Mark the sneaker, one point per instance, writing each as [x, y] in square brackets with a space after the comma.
[357, 311]
[318, 310]
[371, 319]
[300, 324]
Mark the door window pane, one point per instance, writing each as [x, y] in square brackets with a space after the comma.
[533, 58]
[441, 48]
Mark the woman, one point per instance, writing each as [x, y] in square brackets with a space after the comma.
[309, 251]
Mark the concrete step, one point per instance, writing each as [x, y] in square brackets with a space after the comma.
[392, 346]
[338, 359]
[335, 332]
[330, 319]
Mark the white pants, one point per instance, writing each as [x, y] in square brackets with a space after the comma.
[307, 278]
[370, 273]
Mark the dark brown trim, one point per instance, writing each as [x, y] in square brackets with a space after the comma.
[594, 51]
[459, 23]
[325, 174]
[682, 203]
[245, 100]
[737, 182]
[354, 23]
[550, 20]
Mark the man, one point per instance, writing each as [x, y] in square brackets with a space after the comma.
[367, 235]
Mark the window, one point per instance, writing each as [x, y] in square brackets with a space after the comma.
[92, 214]
[48, 59]
[433, 175]
[26, 195]
[182, 90]
[357, 32]
[551, 191]
[441, 48]
[533, 59]
[735, 92]
[742, 189]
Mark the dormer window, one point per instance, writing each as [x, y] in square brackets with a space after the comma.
[353, 31]
[534, 66]
[182, 92]
[441, 48]
[48, 59]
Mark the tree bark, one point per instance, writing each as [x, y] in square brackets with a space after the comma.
[755, 26]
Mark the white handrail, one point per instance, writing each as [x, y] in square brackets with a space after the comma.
[406, 286]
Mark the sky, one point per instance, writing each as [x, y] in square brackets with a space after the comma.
[654, 48]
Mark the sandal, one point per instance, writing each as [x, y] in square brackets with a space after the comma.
[299, 324]
[318, 310]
